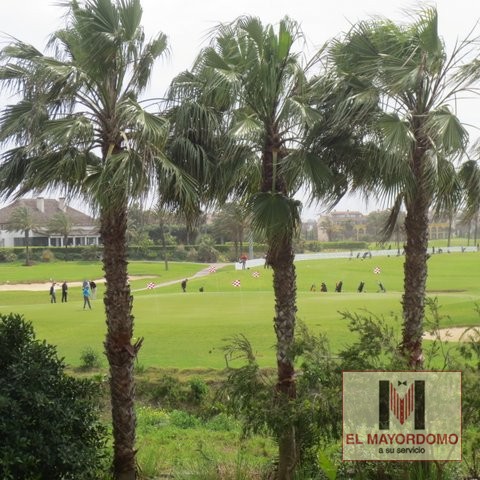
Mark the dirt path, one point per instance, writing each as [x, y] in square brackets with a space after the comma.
[202, 273]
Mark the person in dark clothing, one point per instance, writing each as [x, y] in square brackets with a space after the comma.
[338, 286]
[184, 285]
[64, 292]
[361, 287]
[323, 287]
[381, 287]
[93, 289]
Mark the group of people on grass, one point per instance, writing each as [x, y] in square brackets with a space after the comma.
[89, 290]
[339, 287]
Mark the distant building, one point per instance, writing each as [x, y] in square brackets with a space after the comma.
[342, 225]
[84, 230]
[310, 230]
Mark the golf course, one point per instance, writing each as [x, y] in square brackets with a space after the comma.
[188, 330]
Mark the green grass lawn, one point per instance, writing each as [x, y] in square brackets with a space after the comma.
[77, 271]
[188, 330]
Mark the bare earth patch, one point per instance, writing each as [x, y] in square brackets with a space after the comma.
[456, 334]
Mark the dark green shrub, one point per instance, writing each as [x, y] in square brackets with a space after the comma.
[7, 255]
[168, 390]
[49, 424]
[198, 390]
[181, 419]
[90, 359]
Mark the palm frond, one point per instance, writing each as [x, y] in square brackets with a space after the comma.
[391, 222]
[396, 133]
[275, 216]
[446, 130]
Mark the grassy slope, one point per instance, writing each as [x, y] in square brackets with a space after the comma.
[187, 330]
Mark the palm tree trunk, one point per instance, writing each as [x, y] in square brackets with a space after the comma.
[164, 244]
[65, 241]
[119, 349]
[475, 231]
[280, 257]
[415, 277]
[450, 222]
[284, 284]
[27, 250]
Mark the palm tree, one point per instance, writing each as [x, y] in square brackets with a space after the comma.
[22, 220]
[232, 221]
[331, 229]
[469, 177]
[79, 125]
[62, 224]
[255, 68]
[406, 71]
[244, 110]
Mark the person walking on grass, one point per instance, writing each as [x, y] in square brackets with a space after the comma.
[53, 294]
[86, 297]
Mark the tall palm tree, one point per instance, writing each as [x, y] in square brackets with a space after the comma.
[244, 109]
[469, 177]
[61, 224]
[232, 220]
[80, 125]
[406, 70]
[22, 220]
[163, 217]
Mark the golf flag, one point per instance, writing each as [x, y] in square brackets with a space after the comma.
[236, 283]
[255, 274]
[150, 285]
[212, 269]
[376, 270]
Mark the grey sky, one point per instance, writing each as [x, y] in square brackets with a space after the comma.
[187, 22]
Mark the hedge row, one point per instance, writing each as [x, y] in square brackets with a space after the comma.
[193, 253]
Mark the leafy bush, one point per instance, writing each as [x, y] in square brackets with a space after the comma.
[7, 255]
[222, 423]
[168, 390]
[90, 359]
[181, 419]
[48, 256]
[49, 422]
[206, 251]
[198, 390]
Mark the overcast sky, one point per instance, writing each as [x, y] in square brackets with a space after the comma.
[187, 22]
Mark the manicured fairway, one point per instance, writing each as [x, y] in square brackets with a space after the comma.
[187, 330]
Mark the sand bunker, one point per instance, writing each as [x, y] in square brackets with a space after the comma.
[456, 334]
